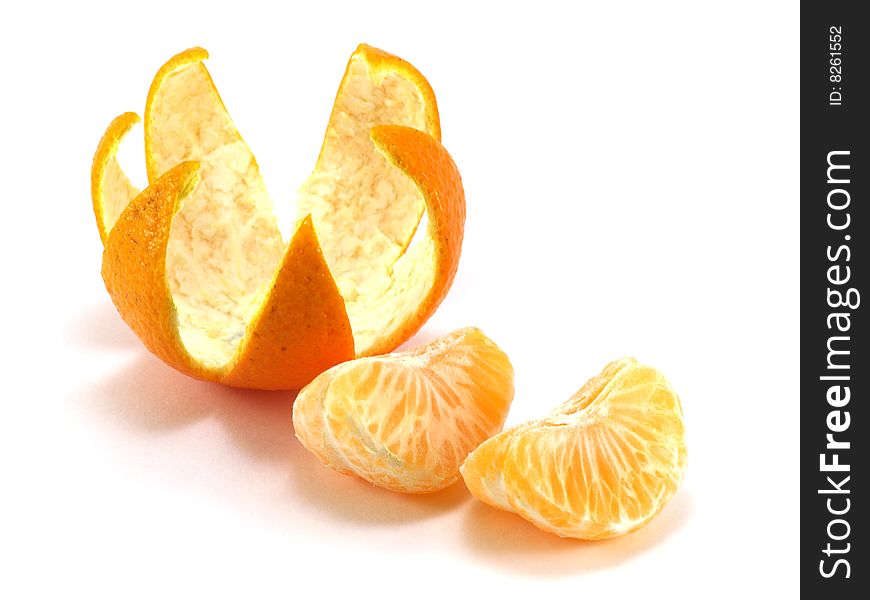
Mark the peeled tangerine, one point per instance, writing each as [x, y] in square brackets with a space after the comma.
[600, 465]
[406, 421]
[198, 268]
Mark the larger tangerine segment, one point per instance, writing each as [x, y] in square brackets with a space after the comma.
[600, 465]
[406, 421]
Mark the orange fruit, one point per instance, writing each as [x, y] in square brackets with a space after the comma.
[197, 265]
[600, 465]
[406, 421]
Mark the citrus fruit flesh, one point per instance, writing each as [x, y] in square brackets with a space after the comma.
[225, 306]
[406, 421]
[600, 465]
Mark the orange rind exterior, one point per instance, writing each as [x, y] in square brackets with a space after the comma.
[277, 314]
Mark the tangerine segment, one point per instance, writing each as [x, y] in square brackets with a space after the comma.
[406, 421]
[224, 248]
[600, 465]
[298, 331]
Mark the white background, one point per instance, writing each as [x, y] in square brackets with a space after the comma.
[631, 176]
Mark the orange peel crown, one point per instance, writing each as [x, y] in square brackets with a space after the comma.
[197, 265]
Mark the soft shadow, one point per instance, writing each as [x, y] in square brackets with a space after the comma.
[151, 398]
[510, 542]
[100, 326]
[148, 396]
[424, 336]
[349, 498]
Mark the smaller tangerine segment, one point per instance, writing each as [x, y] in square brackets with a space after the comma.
[601, 465]
[406, 421]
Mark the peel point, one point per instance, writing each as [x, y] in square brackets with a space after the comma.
[181, 60]
[301, 329]
[382, 63]
[134, 267]
[106, 172]
[426, 162]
